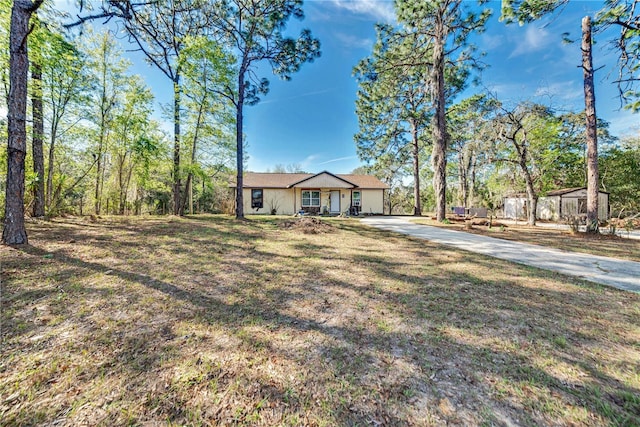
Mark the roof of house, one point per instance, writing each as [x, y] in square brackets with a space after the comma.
[560, 192]
[288, 180]
[563, 191]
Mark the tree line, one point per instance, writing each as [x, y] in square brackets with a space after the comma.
[94, 118]
[95, 147]
[414, 128]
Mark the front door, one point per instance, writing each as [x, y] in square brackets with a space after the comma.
[335, 202]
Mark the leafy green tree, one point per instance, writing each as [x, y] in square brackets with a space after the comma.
[392, 106]
[254, 32]
[75, 163]
[527, 10]
[160, 29]
[469, 130]
[108, 69]
[569, 149]
[622, 13]
[522, 136]
[152, 171]
[620, 164]
[130, 135]
[208, 116]
[447, 25]
[65, 85]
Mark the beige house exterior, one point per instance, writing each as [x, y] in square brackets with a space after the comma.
[322, 193]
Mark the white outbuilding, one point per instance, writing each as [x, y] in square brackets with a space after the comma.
[557, 205]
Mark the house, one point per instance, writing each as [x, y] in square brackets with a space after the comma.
[557, 205]
[290, 193]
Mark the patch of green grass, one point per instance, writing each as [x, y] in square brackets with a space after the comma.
[560, 341]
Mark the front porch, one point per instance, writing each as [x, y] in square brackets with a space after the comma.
[327, 201]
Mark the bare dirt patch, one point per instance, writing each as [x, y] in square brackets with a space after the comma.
[307, 225]
[211, 321]
[626, 223]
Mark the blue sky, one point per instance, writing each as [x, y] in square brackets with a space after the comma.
[310, 121]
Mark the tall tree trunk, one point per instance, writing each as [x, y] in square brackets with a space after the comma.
[177, 206]
[191, 195]
[186, 198]
[472, 183]
[417, 204]
[194, 145]
[438, 155]
[37, 139]
[127, 184]
[105, 106]
[532, 197]
[122, 198]
[101, 177]
[50, 197]
[592, 128]
[138, 202]
[239, 147]
[463, 185]
[98, 192]
[14, 232]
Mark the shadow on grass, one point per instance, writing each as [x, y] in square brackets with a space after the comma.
[376, 368]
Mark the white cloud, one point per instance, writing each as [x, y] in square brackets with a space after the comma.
[379, 9]
[624, 123]
[309, 161]
[567, 91]
[506, 90]
[351, 41]
[561, 94]
[535, 39]
[301, 95]
[339, 159]
[490, 42]
[71, 7]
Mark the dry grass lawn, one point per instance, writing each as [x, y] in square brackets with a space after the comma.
[600, 244]
[210, 321]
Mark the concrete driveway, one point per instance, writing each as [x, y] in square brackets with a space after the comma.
[634, 234]
[599, 269]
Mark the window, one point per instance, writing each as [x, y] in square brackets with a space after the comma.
[310, 198]
[355, 198]
[582, 206]
[256, 198]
